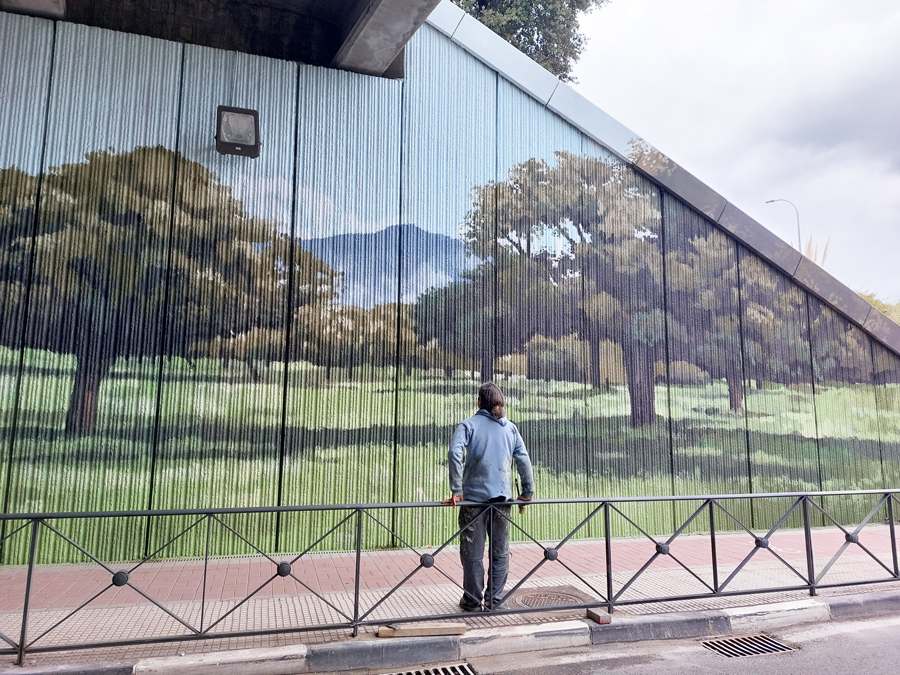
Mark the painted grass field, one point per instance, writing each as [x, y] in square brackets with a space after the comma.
[220, 441]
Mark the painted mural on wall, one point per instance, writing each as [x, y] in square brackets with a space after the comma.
[183, 329]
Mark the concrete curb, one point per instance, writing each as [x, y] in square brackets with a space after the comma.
[393, 653]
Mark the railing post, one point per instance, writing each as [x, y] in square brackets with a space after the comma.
[607, 535]
[358, 572]
[712, 543]
[890, 505]
[490, 580]
[807, 534]
[205, 570]
[23, 636]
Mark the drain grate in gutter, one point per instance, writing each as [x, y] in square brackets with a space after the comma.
[453, 669]
[746, 645]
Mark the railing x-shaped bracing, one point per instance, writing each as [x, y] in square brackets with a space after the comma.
[606, 583]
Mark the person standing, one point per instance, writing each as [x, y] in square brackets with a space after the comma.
[482, 452]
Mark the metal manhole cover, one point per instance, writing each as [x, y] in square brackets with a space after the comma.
[746, 645]
[452, 669]
[551, 596]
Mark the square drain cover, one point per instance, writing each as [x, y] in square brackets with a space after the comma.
[746, 645]
[452, 669]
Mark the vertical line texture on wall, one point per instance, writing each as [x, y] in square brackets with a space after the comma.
[341, 392]
[779, 402]
[24, 109]
[665, 245]
[282, 441]
[449, 144]
[538, 244]
[398, 300]
[222, 377]
[91, 339]
[887, 396]
[163, 332]
[846, 408]
[705, 359]
[183, 328]
[624, 309]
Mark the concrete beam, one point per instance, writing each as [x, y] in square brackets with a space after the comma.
[379, 33]
[51, 9]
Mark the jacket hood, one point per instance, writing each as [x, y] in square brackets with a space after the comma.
[502, 421]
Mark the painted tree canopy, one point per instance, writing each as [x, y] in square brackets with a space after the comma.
[588, 235]
[115, 265]
[113, 271]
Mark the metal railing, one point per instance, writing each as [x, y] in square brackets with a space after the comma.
[707, 513]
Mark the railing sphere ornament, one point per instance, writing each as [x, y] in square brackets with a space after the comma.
[762, 542]
[120, 578]
[551, 554]
[284, 569]
[662, 549]
[852, 537]
[427, 560]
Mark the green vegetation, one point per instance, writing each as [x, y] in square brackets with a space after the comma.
[186, 355]
[348, 458]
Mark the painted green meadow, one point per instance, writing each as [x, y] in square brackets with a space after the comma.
[338, 445]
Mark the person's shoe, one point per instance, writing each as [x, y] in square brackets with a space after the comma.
[489, 606]
[467, 606]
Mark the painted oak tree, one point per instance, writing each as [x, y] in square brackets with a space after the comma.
[703, 303]
[109, 269]
[576, 250]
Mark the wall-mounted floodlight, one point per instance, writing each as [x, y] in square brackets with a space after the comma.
[237, 131]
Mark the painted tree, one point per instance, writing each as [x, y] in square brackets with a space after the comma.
[110, 269]
[774, 324]
[579, 237]
[459, 319]
[703, 300]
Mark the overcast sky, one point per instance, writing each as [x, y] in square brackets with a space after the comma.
[769, 99]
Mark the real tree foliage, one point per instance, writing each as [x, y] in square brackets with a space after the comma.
[890, 309]
[546, 31]
[112, 265]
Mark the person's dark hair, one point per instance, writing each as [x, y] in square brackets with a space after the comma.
[491, 399]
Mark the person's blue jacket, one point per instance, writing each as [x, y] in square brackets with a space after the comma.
[490, 445]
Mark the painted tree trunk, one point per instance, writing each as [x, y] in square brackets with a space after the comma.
[487, 366]
[640, 378]
[595, 364]
[81, 419]
[735, 390]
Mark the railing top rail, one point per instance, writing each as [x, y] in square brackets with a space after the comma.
[408, 505]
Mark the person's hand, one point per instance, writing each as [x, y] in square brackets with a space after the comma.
[523, 498]
[454, 499]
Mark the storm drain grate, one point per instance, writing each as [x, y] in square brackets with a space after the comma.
[747, 645]
[453, 669]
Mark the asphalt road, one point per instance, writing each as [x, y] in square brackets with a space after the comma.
[839, 647]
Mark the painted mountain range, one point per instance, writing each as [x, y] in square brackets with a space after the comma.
[402, 260]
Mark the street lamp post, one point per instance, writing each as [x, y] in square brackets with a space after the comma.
[799, 241]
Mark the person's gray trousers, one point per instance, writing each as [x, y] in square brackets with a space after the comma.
[478, 523]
